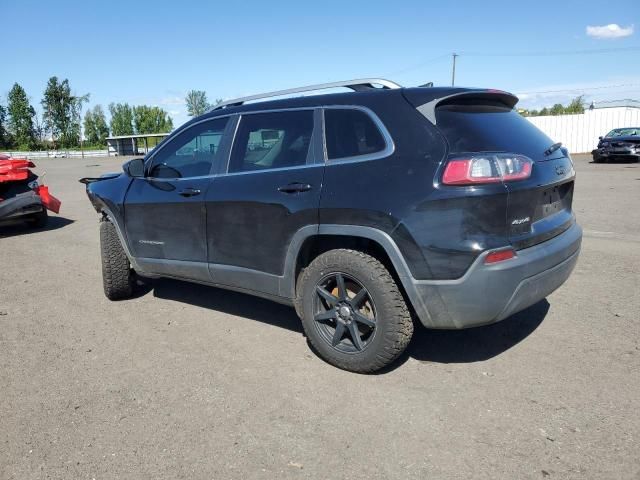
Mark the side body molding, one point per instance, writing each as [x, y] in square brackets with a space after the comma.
[281, 288]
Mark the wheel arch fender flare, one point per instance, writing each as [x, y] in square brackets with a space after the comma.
[108, 216]
[383, 239]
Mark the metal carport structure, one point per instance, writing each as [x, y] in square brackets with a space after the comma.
[133, 144]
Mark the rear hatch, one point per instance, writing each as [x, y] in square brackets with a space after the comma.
[538, 207]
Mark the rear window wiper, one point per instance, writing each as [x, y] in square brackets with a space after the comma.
[552, 149]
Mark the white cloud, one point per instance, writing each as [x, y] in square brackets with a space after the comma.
[613, 30]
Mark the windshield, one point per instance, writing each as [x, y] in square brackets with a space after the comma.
[623, 132]
[484, 128]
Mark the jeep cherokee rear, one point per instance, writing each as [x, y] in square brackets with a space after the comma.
[360, 209]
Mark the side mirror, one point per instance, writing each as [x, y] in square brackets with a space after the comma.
[134, 168]
[599, 138]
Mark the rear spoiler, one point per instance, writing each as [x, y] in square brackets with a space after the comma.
[428, 109]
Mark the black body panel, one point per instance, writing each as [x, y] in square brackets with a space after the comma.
[251, 223]
[540, 207]
[166, 218]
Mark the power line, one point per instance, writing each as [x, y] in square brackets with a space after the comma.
[420, 65]
[574, 90]
[516, 54]
[549, 54]
[629, 100]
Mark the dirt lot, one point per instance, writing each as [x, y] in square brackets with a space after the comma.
[192, 382]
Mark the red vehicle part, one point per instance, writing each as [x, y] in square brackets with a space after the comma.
[13, 169]
[17, 170]
[48, 200]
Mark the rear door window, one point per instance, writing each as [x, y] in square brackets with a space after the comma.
[272, 140]
[351, 133]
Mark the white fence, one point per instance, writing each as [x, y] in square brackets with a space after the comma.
[580, 132]
[57, 153]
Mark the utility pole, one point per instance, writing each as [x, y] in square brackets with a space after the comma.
[453, 71]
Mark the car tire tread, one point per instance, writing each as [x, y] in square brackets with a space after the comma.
[392, 309]
[117, 275]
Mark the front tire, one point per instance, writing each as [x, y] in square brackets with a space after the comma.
[117, 275]
[353, 313]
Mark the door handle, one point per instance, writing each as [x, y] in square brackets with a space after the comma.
[295, 188]
[189, 192]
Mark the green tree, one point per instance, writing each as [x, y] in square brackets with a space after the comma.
[21, 115]
[557, 109]
[121, 119]
[197, 102]
[62, 112]
[5, 140]
[576, 105]
[89, 128]
[148, 119]
[95, 126]
[544, 111]
[100, 124]
[39, 130]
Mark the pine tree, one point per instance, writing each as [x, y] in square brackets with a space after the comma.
[21, 115]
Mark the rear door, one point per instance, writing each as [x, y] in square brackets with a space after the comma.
[164, 211]
[270, 190]
[539, 207]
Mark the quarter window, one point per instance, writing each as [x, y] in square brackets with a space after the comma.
[351, 133]
[191, 153]
[272, 140]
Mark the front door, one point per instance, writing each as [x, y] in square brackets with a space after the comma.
[165, 212]
[270, 190]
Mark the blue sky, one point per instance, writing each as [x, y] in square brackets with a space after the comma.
[148, 52]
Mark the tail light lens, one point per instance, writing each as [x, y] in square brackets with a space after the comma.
[500, 256]
[494, 168]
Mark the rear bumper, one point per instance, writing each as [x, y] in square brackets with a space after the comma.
[490, 293]
[20, 205]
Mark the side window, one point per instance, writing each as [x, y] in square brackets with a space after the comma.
[350, 133]
[272, 140]
[191, 153]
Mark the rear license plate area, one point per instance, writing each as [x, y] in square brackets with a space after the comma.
[553, 200]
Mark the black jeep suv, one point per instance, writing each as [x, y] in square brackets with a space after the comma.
[363, 210]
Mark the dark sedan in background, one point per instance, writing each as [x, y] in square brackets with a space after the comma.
[618, 144]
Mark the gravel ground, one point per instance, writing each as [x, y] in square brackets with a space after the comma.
[193, 382]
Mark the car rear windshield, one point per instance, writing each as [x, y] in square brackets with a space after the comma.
[490, 128]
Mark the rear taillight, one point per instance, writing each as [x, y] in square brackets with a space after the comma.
[493, 168]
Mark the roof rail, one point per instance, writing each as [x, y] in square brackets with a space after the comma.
[356, 85]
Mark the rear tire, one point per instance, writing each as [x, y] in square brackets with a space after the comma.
[40, 219]
[346, 293]
[117, 275]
